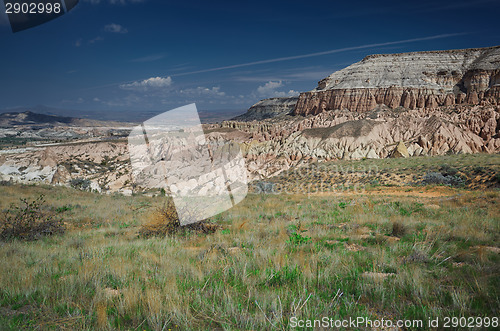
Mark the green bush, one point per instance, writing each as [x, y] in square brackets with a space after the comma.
[295, 238]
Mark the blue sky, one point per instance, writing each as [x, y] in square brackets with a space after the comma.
[117, 55]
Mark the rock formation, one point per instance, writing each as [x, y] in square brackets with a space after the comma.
[273, 145]
[400, 150]
[268, 108]
[409, 80]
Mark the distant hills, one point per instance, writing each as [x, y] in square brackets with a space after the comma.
[206, 116]
[29, 118]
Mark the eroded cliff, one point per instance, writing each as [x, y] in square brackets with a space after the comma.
[410, 80]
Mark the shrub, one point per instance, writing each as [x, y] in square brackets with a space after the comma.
[164, 221]
[446, 170]
[437, 178]
[398, 229]
[264, 187]
[29, 221]
[80, 183]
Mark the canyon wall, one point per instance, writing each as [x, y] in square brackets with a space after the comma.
[409, 80]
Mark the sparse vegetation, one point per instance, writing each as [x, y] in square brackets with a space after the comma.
[415, 252]
[31, 220]
[294, 237]
[436, 178]
[80, 183]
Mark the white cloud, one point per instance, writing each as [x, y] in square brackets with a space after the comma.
[115, 28]
[270, 89]
[153, 83]
[203, 91]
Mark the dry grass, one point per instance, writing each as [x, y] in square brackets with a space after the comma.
[410, 257]
[164, 221]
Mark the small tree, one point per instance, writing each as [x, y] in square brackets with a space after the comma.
[29, 221]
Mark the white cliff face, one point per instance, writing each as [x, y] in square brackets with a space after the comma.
[438, 70]
[409, 80]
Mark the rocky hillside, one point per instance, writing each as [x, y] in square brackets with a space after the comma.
[409, 80]
[268, 108]
[272, 146]
[278, 144]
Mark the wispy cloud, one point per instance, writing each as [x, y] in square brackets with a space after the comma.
[303, 56]
[289, 75]
[115, 28]
[435, 6]
[96, 39]
[201, 91]
[333, 51]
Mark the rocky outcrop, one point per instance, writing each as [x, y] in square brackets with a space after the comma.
[409, 80]
[268, 108]
[273, 146]
[104, 164]
[400, 151]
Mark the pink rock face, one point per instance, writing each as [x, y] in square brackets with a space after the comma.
[362, 100]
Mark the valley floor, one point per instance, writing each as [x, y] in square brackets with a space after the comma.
[407, 250]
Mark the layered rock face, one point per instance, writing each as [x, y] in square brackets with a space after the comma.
[268, 108]
[409, 80]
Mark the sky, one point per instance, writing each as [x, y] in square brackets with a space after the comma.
[144, 55]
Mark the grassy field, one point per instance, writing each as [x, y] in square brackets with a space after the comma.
[411, 252]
